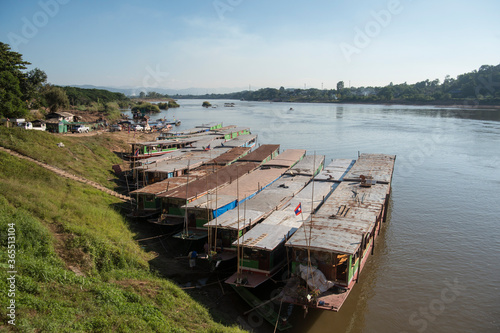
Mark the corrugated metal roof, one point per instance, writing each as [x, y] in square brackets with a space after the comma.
[285, 221]
[251, 182]
[233, 130]
[266, 236]
[200, 186]
[160, 142]
[260, 154]
[230, 155]
[193, 159]
[187, 131]
[218, 130]
[308, 165]
[352, 196]
[168, 156]
[162, 186]
[210, 124]
[348, 214]
[335, 170]
[378, 166]
[287, 159]
[239, 140]
[247, 185]
[272, 197]
[331, 235]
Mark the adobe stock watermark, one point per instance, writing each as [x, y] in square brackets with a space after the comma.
[223, 6]
[12, 272]
[279, 122]
[484, 85]
[31, 27]
[416, 158]
[157, 76]
[420, 319]
[363, 37]
[153, 79]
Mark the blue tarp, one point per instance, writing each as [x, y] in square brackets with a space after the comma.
[218, 212]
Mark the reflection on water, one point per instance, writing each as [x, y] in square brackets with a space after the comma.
[443, 228]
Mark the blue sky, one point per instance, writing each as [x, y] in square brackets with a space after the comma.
[236, 43]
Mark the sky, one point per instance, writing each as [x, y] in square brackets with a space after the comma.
[242, 44]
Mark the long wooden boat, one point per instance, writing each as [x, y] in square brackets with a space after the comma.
[330, 251]
[263, 247]
[155, 148]
[226, 228]
[265, 310]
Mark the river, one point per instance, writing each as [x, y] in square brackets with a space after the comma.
[436, 266]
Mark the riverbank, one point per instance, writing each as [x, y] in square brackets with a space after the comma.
[79, 265]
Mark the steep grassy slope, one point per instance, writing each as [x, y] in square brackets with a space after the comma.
[87, 156]
[64, 229]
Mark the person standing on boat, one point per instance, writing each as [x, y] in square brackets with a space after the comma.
[192, 259]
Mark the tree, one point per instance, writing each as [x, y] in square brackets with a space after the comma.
[33, 85]
[386, 93]
[11, 104]
[12, 81]
[55, 97]
[340, 86]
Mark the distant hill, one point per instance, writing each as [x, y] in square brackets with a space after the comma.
[135, 91]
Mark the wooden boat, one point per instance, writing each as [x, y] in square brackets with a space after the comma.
[330, 251]
[228, 226]
[155, 148]
[264, 309]
[263, 247]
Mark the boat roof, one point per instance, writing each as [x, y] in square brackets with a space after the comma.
[246, 186]
[187, 161]
[270, 233]
[240, 140]
[266, 236]
[378, 166]
[308, 165]
[160, 187]
[211, 181]
[347, 215]
[233, 130]
[163, 157]
[211, 201]
[231, 155]
[161, 142]
[218, 130]
[263, 203]
[287, 159]
[209, 125]
[335, 171]
[260, 154]
[354, 196]
[189, 131]
[331, 235]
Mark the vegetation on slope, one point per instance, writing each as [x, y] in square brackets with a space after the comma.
[479, 87]
[64, 228]
[90, 157]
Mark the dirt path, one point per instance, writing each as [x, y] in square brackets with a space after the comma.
[65, 174]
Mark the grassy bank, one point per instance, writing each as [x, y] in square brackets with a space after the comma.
[90, 157]
[78, 267]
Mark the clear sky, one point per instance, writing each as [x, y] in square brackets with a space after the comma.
[178, 44]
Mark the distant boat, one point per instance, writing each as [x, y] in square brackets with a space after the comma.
[229, 105]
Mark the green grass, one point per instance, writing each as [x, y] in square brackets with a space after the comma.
[90, 157]
[60, 223]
